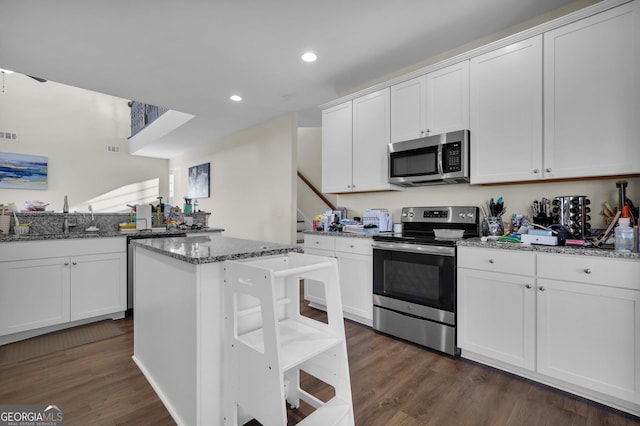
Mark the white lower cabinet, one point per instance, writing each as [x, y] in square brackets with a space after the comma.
[33, 294]
[496, 316]
[574, 323]
[96, 285]
[39, 291]
[355, 269]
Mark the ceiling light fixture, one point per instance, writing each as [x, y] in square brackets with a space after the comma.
[309, 57]
[235, 98]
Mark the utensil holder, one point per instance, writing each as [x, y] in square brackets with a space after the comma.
[492, 226]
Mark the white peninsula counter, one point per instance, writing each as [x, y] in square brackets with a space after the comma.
[178, 324]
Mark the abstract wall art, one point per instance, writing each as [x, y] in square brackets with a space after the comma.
[199, 181]
[21, 171]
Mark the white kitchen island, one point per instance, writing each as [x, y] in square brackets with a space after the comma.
[178, 323]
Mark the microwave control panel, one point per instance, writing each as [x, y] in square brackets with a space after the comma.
[452, 157]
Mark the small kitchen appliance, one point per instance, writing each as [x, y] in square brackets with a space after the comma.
[431, 160]
[573, 212]
[414, 275]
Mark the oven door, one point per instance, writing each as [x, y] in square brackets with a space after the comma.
[418, 280]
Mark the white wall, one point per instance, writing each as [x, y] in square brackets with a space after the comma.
[309, 164]
[72, 127]
[253, 181]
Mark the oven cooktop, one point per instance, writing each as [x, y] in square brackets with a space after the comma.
[419, 223]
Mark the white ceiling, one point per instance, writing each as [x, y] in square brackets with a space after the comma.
[191, 55]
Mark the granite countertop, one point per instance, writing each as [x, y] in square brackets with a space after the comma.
[98, 234]
[583, 251]
[205, 249]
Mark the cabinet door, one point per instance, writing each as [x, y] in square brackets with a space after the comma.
[588, 335]
[592, 95]
[98, 285]
[371, 136]
[506, 113]
[447, 99]
[337, 134]
[356, 286]
[496, 316]
[408, 110]
[33, 294]
[319, 245]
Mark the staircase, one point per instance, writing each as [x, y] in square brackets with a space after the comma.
[268, 342]
[303, 224]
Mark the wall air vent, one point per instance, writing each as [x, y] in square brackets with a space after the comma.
[113, 149]
[8, 136]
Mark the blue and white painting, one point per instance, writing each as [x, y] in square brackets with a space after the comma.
[19, 171]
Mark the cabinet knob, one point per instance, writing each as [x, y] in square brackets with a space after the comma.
[536, 171]
[317, 242]
[351, 246]
[548, 169]
[66, 263]
[527, 285]
[541, 288]
[428, 131]
[587, 271]
[74, 263]
[491, 261]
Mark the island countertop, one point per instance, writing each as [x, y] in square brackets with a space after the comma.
[208, 249]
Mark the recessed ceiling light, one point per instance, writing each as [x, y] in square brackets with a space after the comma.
[309, 57]
[235, 98]
[6, 71]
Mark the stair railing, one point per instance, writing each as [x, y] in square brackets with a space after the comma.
[316, 191]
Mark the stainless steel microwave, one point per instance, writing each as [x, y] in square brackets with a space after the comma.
[432, 160]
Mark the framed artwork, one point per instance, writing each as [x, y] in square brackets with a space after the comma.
[199, 181]
[21, 171]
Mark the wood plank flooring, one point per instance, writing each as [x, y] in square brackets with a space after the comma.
[393, 383]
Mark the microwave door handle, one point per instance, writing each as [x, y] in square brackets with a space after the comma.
[440, 153]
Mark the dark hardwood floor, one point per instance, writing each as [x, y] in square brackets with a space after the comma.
[393, 383]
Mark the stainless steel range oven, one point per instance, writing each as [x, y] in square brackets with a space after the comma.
[414, 275]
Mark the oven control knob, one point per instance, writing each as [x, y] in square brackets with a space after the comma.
[470, 215]
[410, 214]
[461, 215]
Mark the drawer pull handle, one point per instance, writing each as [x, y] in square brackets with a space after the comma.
[491, 261]
[587, 271]
[541, 288]
[527, 285]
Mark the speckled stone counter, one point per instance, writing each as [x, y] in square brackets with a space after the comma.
[205, 249]
[99, 234]
[592, 251]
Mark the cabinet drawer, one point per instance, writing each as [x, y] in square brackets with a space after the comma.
[622, 273]
[354, 245]
[494, 260]
[319, 242]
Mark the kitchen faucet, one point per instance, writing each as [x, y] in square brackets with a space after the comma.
[67, 224]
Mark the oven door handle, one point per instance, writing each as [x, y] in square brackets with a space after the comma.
[415, 248]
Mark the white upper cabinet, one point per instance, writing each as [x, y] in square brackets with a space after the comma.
[355, 136]
[371, 119]
[431, 104]
[592, 95]
[506, 113]
[448, 99]
[337, 134]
